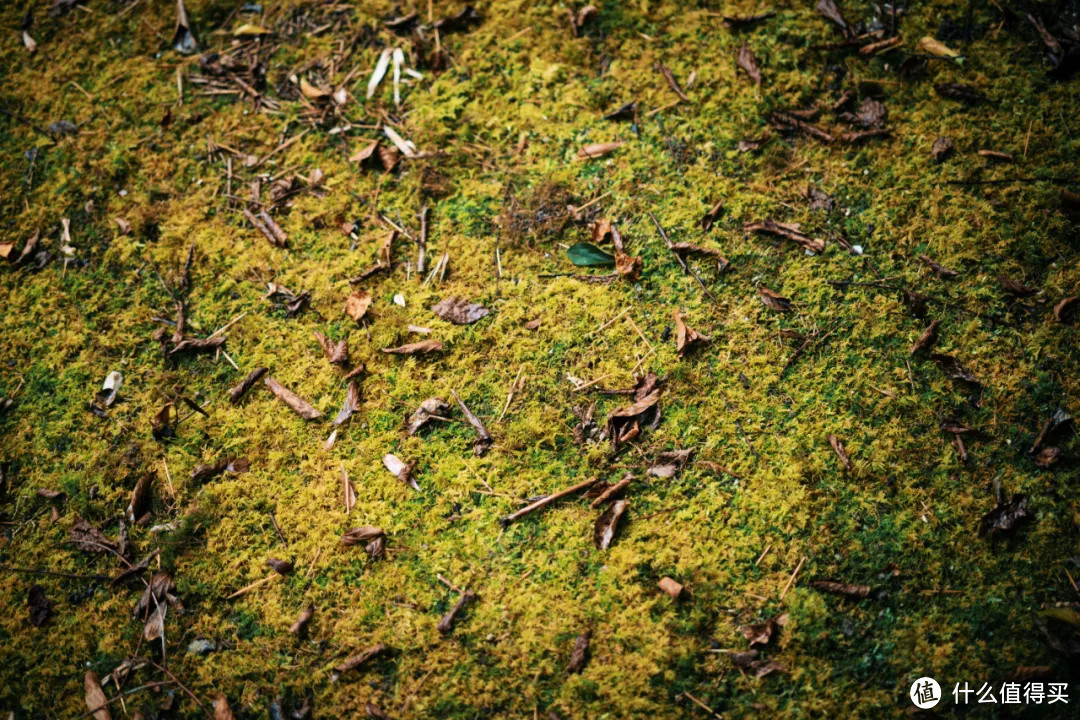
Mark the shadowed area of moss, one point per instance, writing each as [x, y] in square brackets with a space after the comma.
[765, 506]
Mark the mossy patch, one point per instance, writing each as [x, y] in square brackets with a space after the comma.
[501, 127]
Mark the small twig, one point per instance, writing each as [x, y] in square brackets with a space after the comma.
[702, 705]
[277, 529]
[792, 578]
[542, 502]
[183, 687]
[252, 586]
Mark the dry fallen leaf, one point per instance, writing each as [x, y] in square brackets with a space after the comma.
[772, 300]
[429, 409]
[221, 708]
[302, 620]
[400, 470]
[459, 311]
[749, 63]
[357, 304]
[788, 231]
[580, 654]
[446, 624]
[598, 150]
[840, 450]
[299, 405]
[607, 523]
[927, 338]
[417, 348]
[942, 148]
[671, 587]
[336, 352]
[933, 46]
[1006, 517]
[1066, 310]
[686, 338]
[95, 697]
[354, 661]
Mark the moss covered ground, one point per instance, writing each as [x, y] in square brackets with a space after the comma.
[763, 509]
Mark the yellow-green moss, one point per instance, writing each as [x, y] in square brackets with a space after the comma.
[904, 519]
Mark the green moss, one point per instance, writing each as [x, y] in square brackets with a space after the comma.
[903, 519]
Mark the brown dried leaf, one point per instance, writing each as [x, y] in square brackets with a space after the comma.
[959, 91]
[197, 345]
[996, 155]
[787, 121]
[1066, 310]
[360, 658]
[88, 538]
[1047, 457]
[351, 404]
[831, 11]
[95, 697]
[686, 337]
[361, 535]
[927, 338]
[357, 304]
[141, 497]
[626, 112]
[483, 437]
[942, 148]
[627, 266]
[596, 150]
[1005, 517]
[428, 410]
[281, 567]
[1013, 287]
[607, 523]
[772, 300]
[302, 620]
[366, 153]
[237, 391]
[787, 231]
[400, 470]
[459, 311]
[840, 450]
[155, 623]
[856, 592]
[580, 654]
[336, 352]
[446, 624]
[749, 63]
[938, 268]
[710, 217]
[221, 708]
[300, 406]
[417, 348]
[672, 587]
[672, 82]
[953, 368]
[643, 411]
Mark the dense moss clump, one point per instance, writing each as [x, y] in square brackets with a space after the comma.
[824, 449]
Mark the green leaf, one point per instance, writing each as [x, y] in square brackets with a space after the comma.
[585, 254]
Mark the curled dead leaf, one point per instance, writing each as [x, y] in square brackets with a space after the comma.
[607, 524]
[773, 300]
[357, 304]
[596, 150]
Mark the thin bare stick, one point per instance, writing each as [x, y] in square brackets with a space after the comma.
[252, 586]
[543, 502]
[791, 580]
